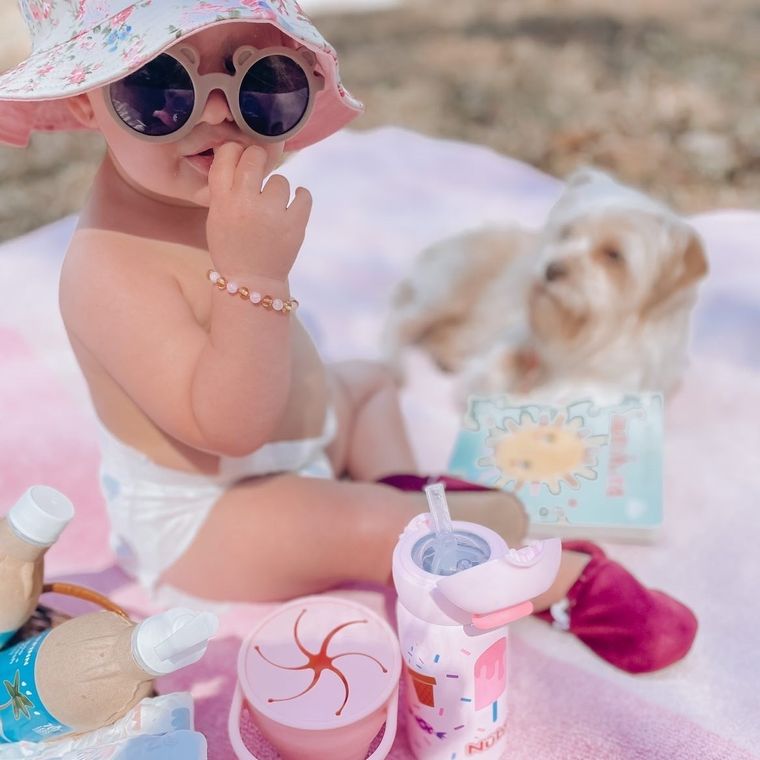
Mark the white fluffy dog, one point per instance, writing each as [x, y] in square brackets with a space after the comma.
[599, 299]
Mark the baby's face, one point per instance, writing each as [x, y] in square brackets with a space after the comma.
[165, 168]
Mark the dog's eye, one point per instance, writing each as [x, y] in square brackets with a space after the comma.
[613, 254]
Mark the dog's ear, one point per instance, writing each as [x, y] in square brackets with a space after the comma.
[585, 175]
[684, 268]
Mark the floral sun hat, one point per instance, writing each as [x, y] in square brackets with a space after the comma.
[79, 45]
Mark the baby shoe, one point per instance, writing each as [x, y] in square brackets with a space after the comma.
[632, 627]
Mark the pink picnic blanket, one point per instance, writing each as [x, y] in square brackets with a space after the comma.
[379, 198]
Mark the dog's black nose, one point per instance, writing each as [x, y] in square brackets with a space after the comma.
[555, 271]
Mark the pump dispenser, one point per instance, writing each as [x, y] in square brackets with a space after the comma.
[170, 641]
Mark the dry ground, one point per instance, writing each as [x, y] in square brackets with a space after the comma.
[665, 94]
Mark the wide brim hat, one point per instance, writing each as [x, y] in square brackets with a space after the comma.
[80, 45]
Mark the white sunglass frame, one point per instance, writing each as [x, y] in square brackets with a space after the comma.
[244, 58]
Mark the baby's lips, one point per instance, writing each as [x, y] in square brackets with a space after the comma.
[219, 153]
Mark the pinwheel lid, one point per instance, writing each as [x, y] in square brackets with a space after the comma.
[319, 663]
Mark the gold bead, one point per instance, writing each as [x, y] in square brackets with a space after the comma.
[221, 283]
[286, 307]
[267, 301]
[244, 293]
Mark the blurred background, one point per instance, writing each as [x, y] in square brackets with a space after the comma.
[664, 94]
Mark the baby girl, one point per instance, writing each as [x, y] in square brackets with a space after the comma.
[235, 465]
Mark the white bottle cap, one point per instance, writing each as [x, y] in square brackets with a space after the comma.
[40, 515]
[173, 639]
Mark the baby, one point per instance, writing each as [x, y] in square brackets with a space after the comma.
[235, 465]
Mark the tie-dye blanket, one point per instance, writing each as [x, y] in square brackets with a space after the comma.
[379, 197]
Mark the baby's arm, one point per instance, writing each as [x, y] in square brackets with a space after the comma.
[224, 390]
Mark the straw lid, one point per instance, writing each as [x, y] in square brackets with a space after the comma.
[40, 515]
[515, 577]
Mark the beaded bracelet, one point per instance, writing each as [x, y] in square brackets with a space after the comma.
[257, 299]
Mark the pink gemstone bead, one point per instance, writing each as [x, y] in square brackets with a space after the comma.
[214, 276]
[255, 297]
[277, 304]
[232, 288]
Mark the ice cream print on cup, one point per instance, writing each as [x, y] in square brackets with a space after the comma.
[319, 677]
[459, 585]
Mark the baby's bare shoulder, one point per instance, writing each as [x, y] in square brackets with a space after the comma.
[94, 250]
[106, 273]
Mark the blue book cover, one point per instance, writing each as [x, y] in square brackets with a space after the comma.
[581, 469]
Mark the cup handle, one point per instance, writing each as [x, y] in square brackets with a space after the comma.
[233, 726]
[391, 719]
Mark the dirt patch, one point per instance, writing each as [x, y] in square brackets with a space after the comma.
[664, 94]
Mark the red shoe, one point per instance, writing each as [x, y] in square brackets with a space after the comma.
[408, 482]
[632, 627]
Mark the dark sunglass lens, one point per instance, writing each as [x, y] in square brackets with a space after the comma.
[155, 100]
[274, 95]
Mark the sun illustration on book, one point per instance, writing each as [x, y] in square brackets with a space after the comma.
[547, 452]
[18, 701]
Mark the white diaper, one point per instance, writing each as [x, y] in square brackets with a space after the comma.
[157, 511]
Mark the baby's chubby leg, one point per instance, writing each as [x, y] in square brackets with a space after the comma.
[274, 538]
[371, 440]
[282, 536]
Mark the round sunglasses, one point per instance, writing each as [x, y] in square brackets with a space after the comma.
[270, 94]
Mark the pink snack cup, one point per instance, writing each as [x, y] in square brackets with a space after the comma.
[319, 677]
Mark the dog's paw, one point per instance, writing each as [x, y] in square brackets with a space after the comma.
[503, 369]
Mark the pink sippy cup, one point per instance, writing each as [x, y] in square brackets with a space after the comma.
[459, 585]
[319, 677]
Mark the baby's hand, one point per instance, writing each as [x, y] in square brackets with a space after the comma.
[250, 231]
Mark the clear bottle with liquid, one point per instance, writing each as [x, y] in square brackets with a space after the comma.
[30, 528]
[459, 585]
[91, 670]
